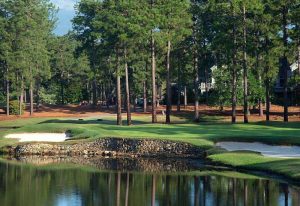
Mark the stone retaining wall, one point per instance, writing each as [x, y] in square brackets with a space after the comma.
[112, 147]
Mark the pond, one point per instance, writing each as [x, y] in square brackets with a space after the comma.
[72, 185]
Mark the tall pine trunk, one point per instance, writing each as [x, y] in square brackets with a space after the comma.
[234, 76]
[119, 100]
[179, 88]
[94, 88]
[31, 98]
[196, 88]
[245, 68]
[25, 96]
[153, 64]
[154, 95]
[260, 101]
[62, 93]
[284, 63]
[196, 74]
[38, 95]
[145, 91]
[267, 99]
[7, 92]
[206, 85]
[21, 97]
[234, 93]
[145, 96]
[185, 97]
[299, 57]
[128, 106]
[169, 104]
[260, 106]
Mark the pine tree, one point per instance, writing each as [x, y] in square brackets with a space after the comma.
[174, 27]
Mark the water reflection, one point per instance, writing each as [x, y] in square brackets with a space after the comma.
[23, 185]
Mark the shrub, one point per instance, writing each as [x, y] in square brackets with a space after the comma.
[2, 100]
[46, 96]
[14, 107]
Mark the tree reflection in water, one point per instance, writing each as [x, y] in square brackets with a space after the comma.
[23, 185]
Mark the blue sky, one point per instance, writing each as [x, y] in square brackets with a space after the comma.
[65, 15]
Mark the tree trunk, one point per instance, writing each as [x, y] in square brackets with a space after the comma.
[62, 92]
[234, 76]
[206, 84]
[196, 88]
[119, 100]
[38, 95]
[154, 95]
[21, 97]
[267, 99]
[285, 64]
[185, 97]
[179, 88]
[169, 98]
[260, 107]
[145, 96]
[31, 98]
[245, 75]
[7, 92]
[25, 96]
[261, 111]
[299, 57]
[94, 88]
[128, 106]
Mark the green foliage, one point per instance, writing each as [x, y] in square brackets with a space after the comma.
[221, 94]
[2, 99]
[47, 97]
[14, 107]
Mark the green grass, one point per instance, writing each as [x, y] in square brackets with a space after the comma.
[203, 134]
[286, 167]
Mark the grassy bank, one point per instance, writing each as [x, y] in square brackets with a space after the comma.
[203, 134]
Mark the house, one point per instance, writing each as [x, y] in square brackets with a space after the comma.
[210, 80]
[278, 88]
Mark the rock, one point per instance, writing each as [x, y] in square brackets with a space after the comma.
[112, 147]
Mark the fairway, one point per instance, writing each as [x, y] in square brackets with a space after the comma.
[202, 134]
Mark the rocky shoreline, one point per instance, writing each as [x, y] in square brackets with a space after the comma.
[111, 147]
[116, 163]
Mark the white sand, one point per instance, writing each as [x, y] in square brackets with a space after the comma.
[264, 149]
[39, 137]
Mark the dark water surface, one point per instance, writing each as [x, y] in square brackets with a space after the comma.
[24, 185]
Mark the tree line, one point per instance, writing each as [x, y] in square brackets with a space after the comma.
[121, 51]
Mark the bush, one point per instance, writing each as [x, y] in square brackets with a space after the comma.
[46, 96]
[2, 100]
[14, 107]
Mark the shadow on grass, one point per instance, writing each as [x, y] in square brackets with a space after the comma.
[291, 125]
[97, 122]
[275, 134]
[287, 167]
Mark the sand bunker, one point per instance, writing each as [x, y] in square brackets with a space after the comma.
[39, 137]
[264, 149]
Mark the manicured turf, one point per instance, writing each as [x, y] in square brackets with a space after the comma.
[287, 167]
[203, 134]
